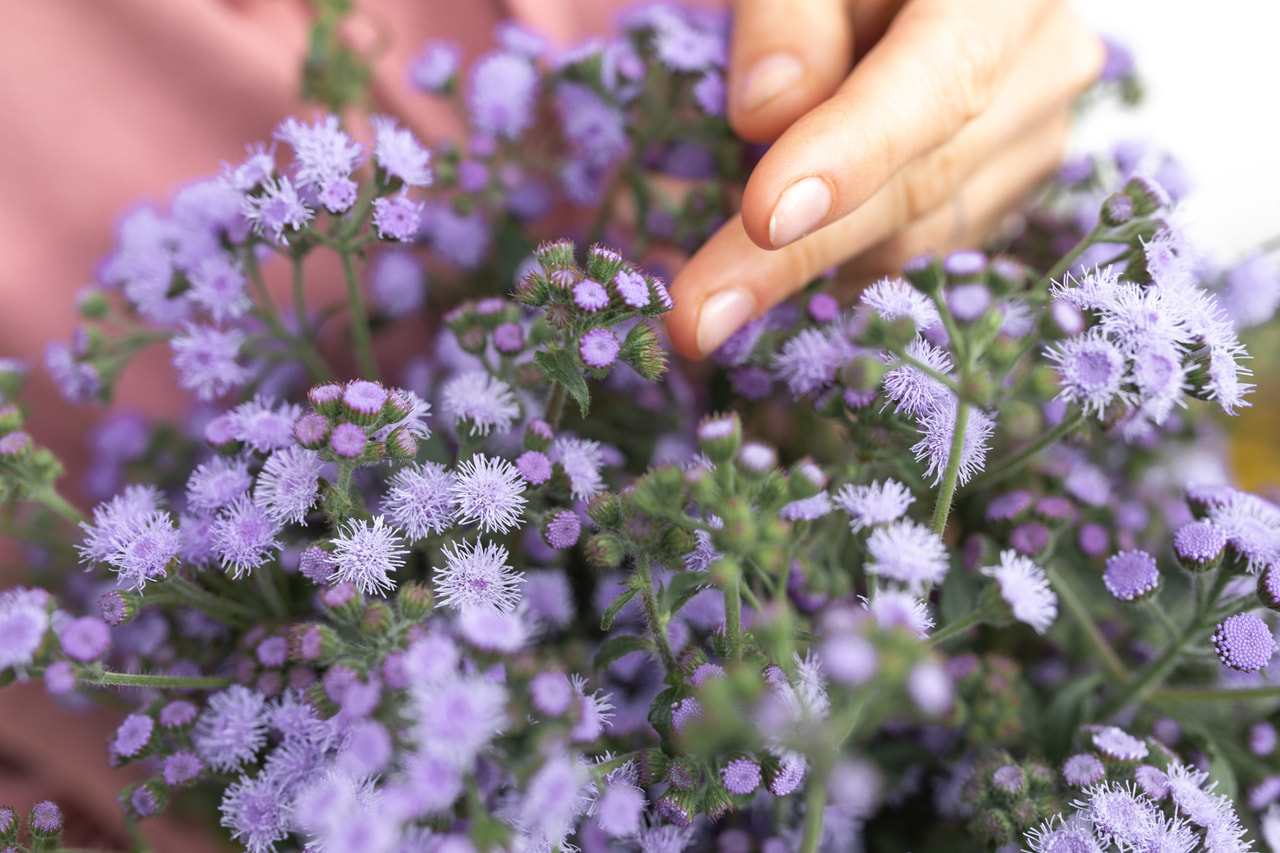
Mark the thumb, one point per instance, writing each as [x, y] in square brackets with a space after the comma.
[786, 57]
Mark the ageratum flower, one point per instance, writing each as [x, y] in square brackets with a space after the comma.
[907, 552]
[488, 491]
[420, 500]
[289, 484]
[1025, 588]
[481, 401]
[874, 503]
[476, 576]
[365, 554]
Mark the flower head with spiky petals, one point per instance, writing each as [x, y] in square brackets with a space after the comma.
[488, 491]
[420, 500]
[480, 401]
[289, 484]
[366, 553]
[907, 552]
[477, 575]
[874, 503]
[1025, 588]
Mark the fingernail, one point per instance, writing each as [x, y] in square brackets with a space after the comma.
[800, 208]
[768, 79]
[722, 315]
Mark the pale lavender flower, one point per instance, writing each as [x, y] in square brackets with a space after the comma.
[896, 608]
[1063, 836]
[563, 530]
[231, 729]
[132, 735]
[262, 425]
[1009, 778]
[24, 619]
[595, 710]
[553, 798]
[1025, 588]
[218, 286]
[1131, 575]
[436, 65]
[619, 809]
[873, 504]
[116, 517]
[938, 427]
[60, 678]
[1119, 744]
[365, 554]
[397, 283]
[455, 719]
[217, 483]
[894, 298]
[46, 817]
[594, 128]
[1008, 506]
[740, 776]
[581, 460]
[420, 500]
[277, 209]
[599, 348]
[462, 239]
[399, 154]
[631, 288]
[1121, 816]
[501, 95]
[85, 639]
[590, 295]
[1153, 782]
[809, 361]
[1252, 527]
[144, 551]
[476, 576]
[807, 509]
[77, 382]
[244, 536]
[480, 400]
[205, 358]
[930, 688]
[1091, 371]
[907, 552]
[918, 393]
[397, 217]
[1244, 642]
[289, 484]
[180, 768]
[488, 491]
[849, 658]
[1083, 770]
[256, 813]
[322, 151]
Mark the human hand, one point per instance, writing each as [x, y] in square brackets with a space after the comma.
[953, 112]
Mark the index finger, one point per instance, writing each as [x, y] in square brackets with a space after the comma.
[939, 66]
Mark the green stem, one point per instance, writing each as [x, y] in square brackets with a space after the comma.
[657, 628]
[815, 801]
[947, 490]
[59, 505]
[269, 314]
[555, 404]
[266, 585]
[1081, 614]
[359, 319]
[938, 375]
[220, 608]
[128, 679]
[959, 626]
[1163, 618]
[1070, 258]
[1213, 694]
[733, 615]
[1022, 457]
[300, 300]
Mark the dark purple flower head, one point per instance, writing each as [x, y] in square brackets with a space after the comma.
[1131, 575]
[741, 776]
[85, 639]
[177, 714]
[1030, 538]
[535, 467]
[133, 735]
[46, 817]
[599, 348]
[563, 530]
[348, 440]
[1244, 642]
[590, 295]
[115, 608]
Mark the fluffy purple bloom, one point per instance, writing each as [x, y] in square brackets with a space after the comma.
[594, 128]
[348, 440]
[631, 288]
[217, 483]
[476, 575]
[915, 392]
[938, 427]
[619, 809]
[205, 358]
[590, 295]
[77, 382]
[1251, 525]
[1025, 588]
[322, 151]
[488, 491]
[24, 618]
[809, 361]
[1119, 744]
[133, 735]
[256, 813]
[895, 608]
[683, 45]
[581, 460]
[1091, 371]
[244, 536]
[1030, 538]
[289, 484]
[849, 659]
[741, 776]
[231, 729]
[456, 718]
[1083, 770]
[177, 714]
[462, 239]
[1244, 642]
[551, 693]
[874, 504]
[501, 95]
[534, 466]
[1153, 782]
[563, 530]
[180, 768]
[1130, 575]
[85, 639]
[277, 209]
[907, 552]
[218, 286]
[399, 154]
[60, 678]
[397, 217]
[968, 302]
[599, 348]
[365, 554]
[480, 400]
[262, 425]
[508, 338]
[46, 817]
[807, 509]
[435, 66]
[144, 550]
[420, 500]
[894, 298]
[397, 283]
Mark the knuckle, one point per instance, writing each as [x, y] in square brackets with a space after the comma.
[931, 180]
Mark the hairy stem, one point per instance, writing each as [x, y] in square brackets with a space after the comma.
[555, 405]
[359, 319]
[59, 505]
[1081, 614]
[947, 489]
[223, 609]
[1213, 694]
[653, 616]
[959, 626]
[269, 314]
[815, 802]
[129, 679]
[733, 615]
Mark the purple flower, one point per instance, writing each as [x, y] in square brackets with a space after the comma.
[807, 509]
[1091, 371]
[143, 551]
[60, 678]
[594, 128]
[563, 530]
[262, 425]
[508, 338]
[809, 361]
[894, 298]
[968, 302]
[1119, 744]
[938, 427]
[277, 209]
[741, 776]
[590, 295]
[599, 348]
[877, 503]
[435, 66]
[581, 460]
[1008, 506]
[244, 536]
[480, 400]
[177, 714]
[930, 688]
[348, 440]
[397, 283]
[501, 95]
[85, 639]
[24, 618]
[534, 466]
[710, 94]
[46, 817]
[205, 359]
[76, 381]
[231, 729]
[289, 484]
[1008, 778]
[218, 286]
[632, 288]
[1131, 575]
[322, 151]
[1083, 770]
[1026, 590]
[217, 482]
[619, 809]
[456, 718]
[1120, 816]
[116, 518]
[1244, 642]
[461, 239]
[895, 608]
[682, 45]
[1030, 538]
[918, 393]
[907, 552]
[488, 491]
[397, 218]
[1152, 781]
[1252, 528]
[133, 735]
[256, 813]
[476, 576]
[399, 154]
[180, 768]
[420, 500]
[365, 554]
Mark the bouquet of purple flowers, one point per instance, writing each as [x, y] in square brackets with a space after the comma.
[955, 566]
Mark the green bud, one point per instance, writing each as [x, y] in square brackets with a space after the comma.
[658, 491]
[605, 551]
[605, 509]
[603, 263]
[92, 304]
[556, 255]
[642, 352]
[925, 273]
[312, 642]
[377, 619]
[720, 437]
[8, 826]
[718, 801]
[863, 373]
[414, 600]
[1117, 211]
[1147, 196]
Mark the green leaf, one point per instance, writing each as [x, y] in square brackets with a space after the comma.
[561, 366]
[683, 587]
[619, 647]
[611, 612]
[1066, 712]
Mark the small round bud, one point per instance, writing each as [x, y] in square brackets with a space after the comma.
[117, 607]
[1198, 545]
[326, 399]
[311, 430]
[1117, 210]
[1131, 575]
[1244, 642]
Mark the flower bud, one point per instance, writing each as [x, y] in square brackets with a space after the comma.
[1117, 210]
[376, 620]
[925, 273]
[1199, 545]
[326, 399]
[1148, 197]
[556, 255]
[118, 607]
[92, 303]
[414, 601]
[1269, 586]
[345, 602]
[603, 263]
[605, 551]
[605, 509]
[46, 823]
[8, 826]
[642, 351]
[311, 430]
